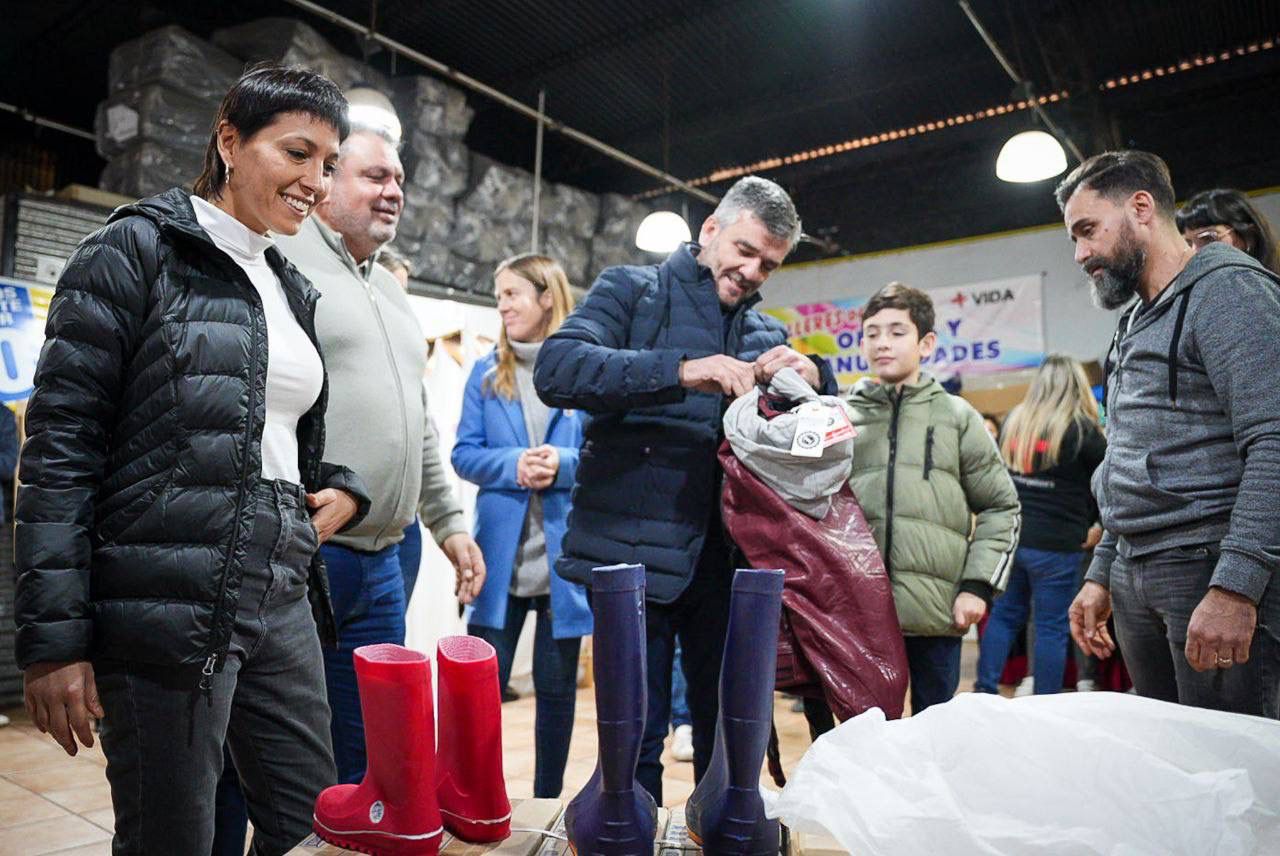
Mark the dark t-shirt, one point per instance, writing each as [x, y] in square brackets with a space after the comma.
[1057, 504]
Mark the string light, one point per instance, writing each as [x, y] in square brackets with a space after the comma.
[1198, 61]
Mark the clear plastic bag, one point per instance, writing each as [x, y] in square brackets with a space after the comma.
[1074, 773]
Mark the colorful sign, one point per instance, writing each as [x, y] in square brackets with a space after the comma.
[24, 306]
[982, 328]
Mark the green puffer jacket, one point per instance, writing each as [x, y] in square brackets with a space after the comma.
[923, 468]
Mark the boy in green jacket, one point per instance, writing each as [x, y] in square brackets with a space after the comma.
[931, 484]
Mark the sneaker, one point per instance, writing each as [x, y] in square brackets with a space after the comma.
[1025, 688]
[682, 743]
[1086, 685]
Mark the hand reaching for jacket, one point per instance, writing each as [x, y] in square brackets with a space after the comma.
[782, 357]
[725, 375]
[718, 374]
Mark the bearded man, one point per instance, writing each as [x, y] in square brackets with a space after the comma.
[1187, 488]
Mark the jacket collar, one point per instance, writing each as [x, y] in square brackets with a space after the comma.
[870, 389]
[333, 240]
[237, 239]
[683, 265]
[1212, 258]
[173, 214]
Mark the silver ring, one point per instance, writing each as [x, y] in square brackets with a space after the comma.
[1225, 661]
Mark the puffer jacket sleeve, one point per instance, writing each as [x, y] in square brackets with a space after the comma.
[344, 478]
[95, 321]
[994, 501]
[588, 363]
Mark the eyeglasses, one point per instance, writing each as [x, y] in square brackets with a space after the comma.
[1211, 235]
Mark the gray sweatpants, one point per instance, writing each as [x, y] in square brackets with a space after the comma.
[163, 735]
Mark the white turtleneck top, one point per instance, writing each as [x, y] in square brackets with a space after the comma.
[294, 371]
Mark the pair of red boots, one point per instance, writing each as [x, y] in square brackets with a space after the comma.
[412, 790]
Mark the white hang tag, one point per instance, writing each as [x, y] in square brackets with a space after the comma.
[819, 426]
[811, 429]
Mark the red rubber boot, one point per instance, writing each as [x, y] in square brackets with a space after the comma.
[470, 788]
[393, 811]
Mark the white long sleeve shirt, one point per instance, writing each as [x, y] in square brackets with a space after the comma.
[294, 372]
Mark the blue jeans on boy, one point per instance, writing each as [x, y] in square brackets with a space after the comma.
[368, 602]
[555, 686]
[934, 665]
[1042, 582]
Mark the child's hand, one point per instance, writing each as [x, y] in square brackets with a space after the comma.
[968, 610]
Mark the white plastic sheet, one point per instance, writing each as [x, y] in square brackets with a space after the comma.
[1076, 773]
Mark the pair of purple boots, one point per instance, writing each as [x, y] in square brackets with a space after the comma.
[613, 815]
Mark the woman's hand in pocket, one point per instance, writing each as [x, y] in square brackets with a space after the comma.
[331, 508]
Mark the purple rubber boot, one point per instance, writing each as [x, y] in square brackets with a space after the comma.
[613, 815]
[725, 814]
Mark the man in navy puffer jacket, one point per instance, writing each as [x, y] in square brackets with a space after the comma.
[653, 355]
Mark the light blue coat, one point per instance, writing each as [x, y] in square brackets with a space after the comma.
[491, 437]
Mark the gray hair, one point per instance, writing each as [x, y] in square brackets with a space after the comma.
[766, 201]
[382, 132]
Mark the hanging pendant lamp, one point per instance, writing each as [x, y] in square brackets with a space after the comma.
[1030, 156]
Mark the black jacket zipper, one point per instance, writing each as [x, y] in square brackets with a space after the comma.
[896, 398]
[928, 451]
[211, 661]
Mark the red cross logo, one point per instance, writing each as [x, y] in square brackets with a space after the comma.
[958, 300]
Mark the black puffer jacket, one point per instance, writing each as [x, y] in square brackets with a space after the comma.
[144, 446]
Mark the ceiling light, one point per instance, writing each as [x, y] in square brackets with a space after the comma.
[1030, 156]
[662, 232]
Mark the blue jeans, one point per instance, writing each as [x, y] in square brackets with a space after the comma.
[555, 685]
[410, 558]
[368, 603]
[934, 664]
[1043, 582]
[679, 690]
[1152, 598]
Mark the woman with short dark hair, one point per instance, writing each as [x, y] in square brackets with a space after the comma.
[173, 492]
[1228, 216]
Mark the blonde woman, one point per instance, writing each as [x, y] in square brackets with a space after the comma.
[524, 455]
[1051, 444]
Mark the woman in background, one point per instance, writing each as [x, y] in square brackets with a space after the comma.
[1229, 217]
[523, 455]
[1051, 444]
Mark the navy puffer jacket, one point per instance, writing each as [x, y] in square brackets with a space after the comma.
[144, 446]
[648, 477]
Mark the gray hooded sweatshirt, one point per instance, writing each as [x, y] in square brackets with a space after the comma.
[1193, 423]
